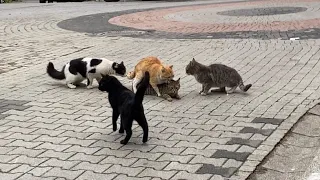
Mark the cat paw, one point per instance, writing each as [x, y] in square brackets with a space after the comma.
[178, 97]
[145, 140]
[200, 92]
[121, 131]
[89, 87]
[114, 128]
[124, 142]
[203, 94]
[71, 86]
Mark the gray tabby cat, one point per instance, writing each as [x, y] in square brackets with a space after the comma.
[168, 90]
[216, 75]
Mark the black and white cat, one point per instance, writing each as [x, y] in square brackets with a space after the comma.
[77, 70]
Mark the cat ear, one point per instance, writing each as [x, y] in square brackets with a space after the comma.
[193, 60]
[178, 80]
[170, 66]
[121, 63]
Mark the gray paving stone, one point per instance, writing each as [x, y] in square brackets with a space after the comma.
[148, 172]
[97, 168]
[129, 171]
[265, 132]
[231, 155]
[58, 172]
[53, 162]
[97, 176]
[211, 169]
[9, 176]
[157, 165]
[88, 158]
[267, 120]
[252, 143]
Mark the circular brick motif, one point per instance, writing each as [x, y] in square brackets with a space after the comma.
[263, 11]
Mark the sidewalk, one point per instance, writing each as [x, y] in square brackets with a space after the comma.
[296, 157]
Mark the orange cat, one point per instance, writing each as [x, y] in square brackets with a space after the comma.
[159, 73]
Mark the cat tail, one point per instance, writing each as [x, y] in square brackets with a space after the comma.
[243, 87]
[54, 73]
[142, 89]
[131, 75]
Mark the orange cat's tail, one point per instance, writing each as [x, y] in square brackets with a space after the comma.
[131, 75]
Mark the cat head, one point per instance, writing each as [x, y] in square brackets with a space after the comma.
[175, 84]
[190, 69]
[108, 83]
[120, 69]
[167, 73]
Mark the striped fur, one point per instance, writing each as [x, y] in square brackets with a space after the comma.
[167, 90]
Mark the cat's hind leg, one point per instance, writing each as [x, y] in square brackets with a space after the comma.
[127, 125]
[135, 83]
[142, 121]
[71, 80]
[231, 90]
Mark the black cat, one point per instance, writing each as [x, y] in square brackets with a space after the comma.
[126, 104]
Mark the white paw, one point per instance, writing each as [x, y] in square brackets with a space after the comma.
[71, 86]
[158, 95]
[203, 94]
[89, 87]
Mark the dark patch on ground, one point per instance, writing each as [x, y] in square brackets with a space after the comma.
[263, 11]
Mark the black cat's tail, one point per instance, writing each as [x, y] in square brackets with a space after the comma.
[142, 89]
[55, 73]
[244, 88]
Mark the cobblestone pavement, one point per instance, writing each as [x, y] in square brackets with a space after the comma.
[296, 157]
[51, 132]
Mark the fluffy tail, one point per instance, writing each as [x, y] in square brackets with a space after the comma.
[131, 75]
[54, 73]
[244, 88]
[142, 88]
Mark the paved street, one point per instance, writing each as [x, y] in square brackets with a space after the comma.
[51, 132]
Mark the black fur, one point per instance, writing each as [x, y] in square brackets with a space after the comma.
[54, 73]
[78, 66]
[126, 104]
[119, 68]
[95, 62]
[92, 70]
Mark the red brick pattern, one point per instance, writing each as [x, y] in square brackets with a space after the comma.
[154, 20]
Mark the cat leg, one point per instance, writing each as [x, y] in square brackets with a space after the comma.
[121, 130]
[206, 89]
[202, 89]
[70, 80]
[167, 97]
[155, 87]
[177, 96]
[135, 83]
[115, 115]
[127, 125]
[142, 121]
[89, 81]
[229, 91]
